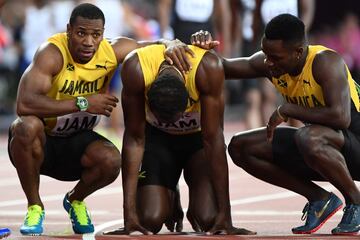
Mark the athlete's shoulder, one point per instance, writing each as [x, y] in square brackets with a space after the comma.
[49, 56]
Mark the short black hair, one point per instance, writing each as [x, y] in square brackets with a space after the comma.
[88, 11]
[167, 96]
[285, 27]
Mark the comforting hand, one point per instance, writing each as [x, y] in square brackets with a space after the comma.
[176, 53]
[101, 103]
[204, 40]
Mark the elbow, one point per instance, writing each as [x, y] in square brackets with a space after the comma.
[344, 122]
[342, 119]
[21, 109]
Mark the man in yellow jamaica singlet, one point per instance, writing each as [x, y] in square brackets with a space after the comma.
[174, 122]
[318, 89]
[60, 99]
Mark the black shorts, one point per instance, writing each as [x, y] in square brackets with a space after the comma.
[166, 155]
[287, 155]
[62, 155]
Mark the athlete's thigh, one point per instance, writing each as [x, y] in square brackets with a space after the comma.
[63, 155]
[287, 155]
[154, 201]
[251, 143]
[351, 153]
[159, 164]
[197, 175]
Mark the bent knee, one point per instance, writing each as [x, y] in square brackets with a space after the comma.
[27, 127]
[236, 150]
[153, 222]
[111, 165]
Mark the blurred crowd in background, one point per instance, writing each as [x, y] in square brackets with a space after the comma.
[238, 24]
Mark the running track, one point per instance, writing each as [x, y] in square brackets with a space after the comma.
[269, 210]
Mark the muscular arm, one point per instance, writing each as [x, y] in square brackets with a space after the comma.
[36, 83]
[209, 81]
[246, 67]
[133, 104]
[329, 71]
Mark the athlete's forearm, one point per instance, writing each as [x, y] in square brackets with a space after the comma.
[132, 156]
[44, 106]
[215, 151]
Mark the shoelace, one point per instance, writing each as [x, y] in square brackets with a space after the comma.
[33, 215]
[350, 212]
[80, 211]
[309, 207]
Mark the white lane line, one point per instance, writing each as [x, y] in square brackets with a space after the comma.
[269, 197]
[105, 225]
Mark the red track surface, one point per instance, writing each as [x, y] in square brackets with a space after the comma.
[269, 210]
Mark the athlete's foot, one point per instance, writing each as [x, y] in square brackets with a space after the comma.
[317, 213]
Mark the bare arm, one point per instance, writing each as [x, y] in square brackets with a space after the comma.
[209, 81]
[133, 103]
[36, 83]
[246, 67]
[330, 73]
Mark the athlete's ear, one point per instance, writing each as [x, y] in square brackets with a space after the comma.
[68, 29]
[299, 51]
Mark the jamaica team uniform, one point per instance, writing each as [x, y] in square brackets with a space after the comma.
[79, 80]
[169, 146]
[305, 91]
[68, 136]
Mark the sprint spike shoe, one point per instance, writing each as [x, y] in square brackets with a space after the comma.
[79, 216]
[350, 222]
[33, 221]
[317, 213]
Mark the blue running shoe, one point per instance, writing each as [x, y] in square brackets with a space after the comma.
[33, 221]
[4, 232]
[317, 213]
[79, 216]
[350, 222]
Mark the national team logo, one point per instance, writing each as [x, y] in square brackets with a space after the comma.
[70, 67]
[282, 83]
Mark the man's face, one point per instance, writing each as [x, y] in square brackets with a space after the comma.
[85, 36]
[279, 59]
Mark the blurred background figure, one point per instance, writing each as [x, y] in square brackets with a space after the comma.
[181, 18]
[245, 95]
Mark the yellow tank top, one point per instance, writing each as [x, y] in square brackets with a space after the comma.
[77, 79]
[304, 90]
[150, 59]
